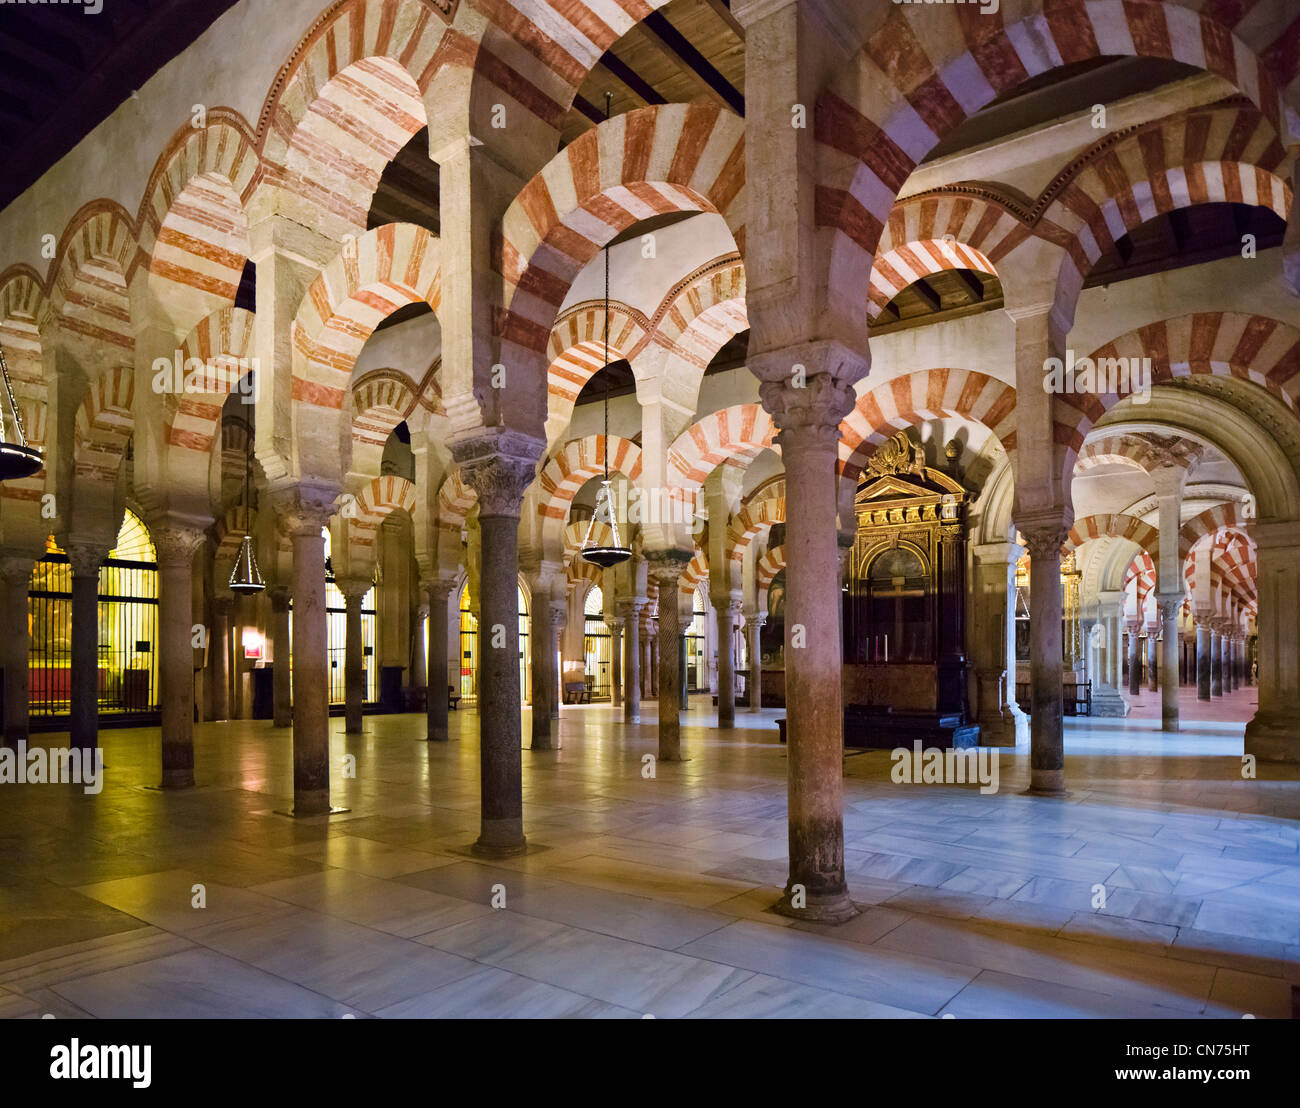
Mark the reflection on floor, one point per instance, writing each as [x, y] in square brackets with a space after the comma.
[649, 896]
[1234, 707]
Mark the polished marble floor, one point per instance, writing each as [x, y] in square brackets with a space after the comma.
[650, 896]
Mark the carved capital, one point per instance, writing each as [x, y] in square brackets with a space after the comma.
[175, 543]
[499, 466]
[16, 569]
[85, 558]
[353, 588]
[1044, 540]
[819, 405]
[667, 567]
[303, 509]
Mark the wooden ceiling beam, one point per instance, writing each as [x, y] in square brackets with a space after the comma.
[926, 293]
[625, 73]
[970, 281]
[680, 51]
[722, 9]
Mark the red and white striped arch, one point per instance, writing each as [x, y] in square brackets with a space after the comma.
[1143, 568]
[104, 423]
[1114, 450]
[1224, 155]
[193, 219]
[23, 313]
[769, 565]
[575, 534]
[1220, 344]
[700, 316]
[1113, 526]
[924, 69]
[92, 270]
[576, 463]
[577, 353]
[221, 341]
[749, 521]
[695, 574]
[908, 263]
[913, 398]
[376, 501]
[654, 160]
[582, 574]
[455, 499]
[380, 401]
[377, 273]
[741, 431]
[1215, 521]
[349, 98]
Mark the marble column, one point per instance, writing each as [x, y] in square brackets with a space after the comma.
[281, 691]
[1134, 659]
[632, 665]
[354, 590]
[16, 572]
[1169, 605]
[666, 567]
[175, 545]
[1153, 653]
[219, 649]
[439, 592]
[542, 666]
[1107, 697]
[559, 621]
[1216, 660]
[808, 419]
[499, 472]
[305, 513]
[726, 609]
[85, 559]
[1046, 731]
[1273, 735]
[1204, 650]
[754, 630]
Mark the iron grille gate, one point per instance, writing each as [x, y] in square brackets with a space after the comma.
[127, 633]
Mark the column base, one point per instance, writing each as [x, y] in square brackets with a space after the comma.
[1109, 703]
[1046, 782]
[1170, 724]
[312, 802]
[818, 907]
[1274, 736]
[500, 838]
[540, 743]
[436, 736]
[177, 779]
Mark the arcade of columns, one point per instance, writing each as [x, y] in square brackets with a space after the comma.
[829, 213]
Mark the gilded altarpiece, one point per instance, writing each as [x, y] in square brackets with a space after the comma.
[904, 604]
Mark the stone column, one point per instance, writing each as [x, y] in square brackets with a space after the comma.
[1046, 737]
[1273, 734]
[354, 590]
[632, 665]
[615, 625]
[176, 544]
[1237, 653]
[1204, 651]
[542, 665]
[1153, 651]
[666, 567]
[1134, 659]
[559, 621]
[84, 722]
[1170, 605]
[219, 647]
[281, 691]
[808, 419]
[419, 666]
[1216, 659]
[654, 663]
[305, 512]
[435, 705]
[16, 571]
[499, 469]
[726, 609]
[990, 633]
[754, 629]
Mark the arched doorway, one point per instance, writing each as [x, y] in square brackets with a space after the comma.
[596, 644]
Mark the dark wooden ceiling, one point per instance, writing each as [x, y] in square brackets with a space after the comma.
[64, 69]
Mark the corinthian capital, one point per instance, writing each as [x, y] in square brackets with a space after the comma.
[499, 468]
[816, 403]
[667, 566]
[303, 509]
[1044, 537]
[175, 542]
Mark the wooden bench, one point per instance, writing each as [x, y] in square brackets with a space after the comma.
[453, 698]
[577, 692]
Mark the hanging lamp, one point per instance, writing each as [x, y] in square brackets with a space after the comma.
[592, 551]
[246, 578]
[17, 459]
